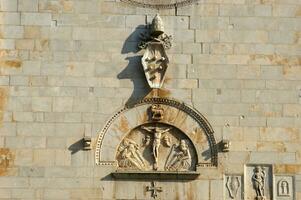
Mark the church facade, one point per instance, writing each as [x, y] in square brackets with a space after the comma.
[150, 99]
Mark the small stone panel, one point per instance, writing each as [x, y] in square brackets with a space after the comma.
[258, 182]
[284, 187]
[233, 187]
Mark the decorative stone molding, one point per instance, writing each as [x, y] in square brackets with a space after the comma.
[159, 4]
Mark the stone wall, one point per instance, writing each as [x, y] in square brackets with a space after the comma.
[68, 65]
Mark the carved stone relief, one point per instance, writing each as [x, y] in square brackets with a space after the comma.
[157, 135]
[259, 182]
[158, 147]
[284, 187]
[233, 185]
[154, 189]
[155, 60]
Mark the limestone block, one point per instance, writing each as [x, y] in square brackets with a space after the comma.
[42, 104]
[35, 129]
[8, 5]
[25, 44]
[19, 80]
[16, 182]
[85, 104]
[272, 157]
[209, 23]
[24, 157]
[112, 21]
[31, 67]
[221, 48]
[76, 69]
[282, 37]
[32, 32]
[23, 193]
[263, 10]
[133, 21]
[10, 18]
[282, 10]
[279, 134]
[107, 7]
[215, 71]
[218, 186]
[41, 157]
[248, 71]
[292, 110]
[62, 158]
[32, 171]
[253, 84]
[8, 129]
[253, 121]
[207, 36]
[8, 44]
[56, 194]
[28, 5]
[26, 142]
[253, 23]
[236, 10]
[56, 142]
[63, 172]
[182, 35]
[61, 33]
[289, 24]
[12, 32]
[70, 129]
[62, 104]
[84, 33]
[39, 19]
[199, 9]
[244, 36]
[86, 7]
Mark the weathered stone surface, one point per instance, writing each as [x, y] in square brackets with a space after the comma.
[67, 66]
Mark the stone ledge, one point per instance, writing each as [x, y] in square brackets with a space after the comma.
[191, 175]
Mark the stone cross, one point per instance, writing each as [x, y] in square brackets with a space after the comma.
[154, 189]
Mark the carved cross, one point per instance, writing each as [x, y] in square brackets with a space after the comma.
[154, 189]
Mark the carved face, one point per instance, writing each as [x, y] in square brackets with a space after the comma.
[183, 145]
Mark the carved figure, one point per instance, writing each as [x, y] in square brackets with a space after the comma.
[283, 188]
[258, 179]
[130, 157]
[157, 134]
[233, 185]
[156, 112]
[179, 158]
[166, 140]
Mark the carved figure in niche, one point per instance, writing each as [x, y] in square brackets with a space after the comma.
[157, 134]
[156, 112]
[283, 188]
[233, 185]
[258, 179]
[130, 157]
[179, 158]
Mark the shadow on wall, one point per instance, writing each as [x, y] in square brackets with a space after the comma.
[77, 146]
[134, 69]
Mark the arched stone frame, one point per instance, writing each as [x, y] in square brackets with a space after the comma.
[178, 114]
